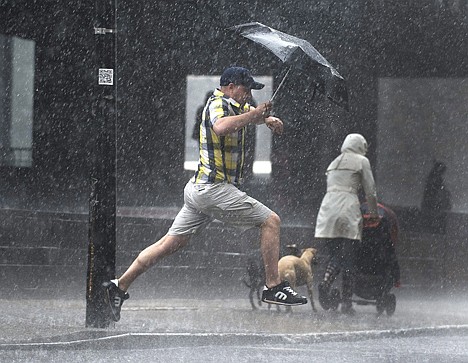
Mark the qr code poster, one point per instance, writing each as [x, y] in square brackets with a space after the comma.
[106, 76]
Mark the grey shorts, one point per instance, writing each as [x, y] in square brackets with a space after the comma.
[222, 201]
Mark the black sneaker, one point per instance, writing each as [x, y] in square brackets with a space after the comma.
[282, 294]
[324, 295]
[114, 298]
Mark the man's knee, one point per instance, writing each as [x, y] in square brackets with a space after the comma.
[172, 243]
[164, 247]
[273, 221]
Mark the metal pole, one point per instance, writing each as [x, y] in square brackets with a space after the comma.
[102, 203]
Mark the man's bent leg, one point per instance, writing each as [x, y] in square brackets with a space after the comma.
[275, 291]
[269, 247]
[150, 256]
[246, 211]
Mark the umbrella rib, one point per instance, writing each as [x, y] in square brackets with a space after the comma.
[281, 83]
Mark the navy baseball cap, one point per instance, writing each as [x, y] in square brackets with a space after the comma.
[239, 76]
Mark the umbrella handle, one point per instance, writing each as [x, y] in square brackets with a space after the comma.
[281, 83]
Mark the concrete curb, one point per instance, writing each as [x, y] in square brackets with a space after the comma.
[102, 340]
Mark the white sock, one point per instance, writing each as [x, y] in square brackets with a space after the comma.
[115, 282]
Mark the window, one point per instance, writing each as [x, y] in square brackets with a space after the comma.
[16, 101]
[198, 88]
[422, 121]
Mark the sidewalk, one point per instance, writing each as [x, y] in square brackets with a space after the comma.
[62, 321]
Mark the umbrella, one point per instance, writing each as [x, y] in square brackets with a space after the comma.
[298, 53]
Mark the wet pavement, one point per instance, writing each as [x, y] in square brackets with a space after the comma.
[177, 329]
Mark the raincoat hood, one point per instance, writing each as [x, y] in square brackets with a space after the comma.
[354, 143]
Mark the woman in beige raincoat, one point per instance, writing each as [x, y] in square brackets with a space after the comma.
[339, 220]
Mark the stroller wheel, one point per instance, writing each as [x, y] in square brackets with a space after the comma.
[335, 298]
[390, 305]
[380, 305]
[324, 295]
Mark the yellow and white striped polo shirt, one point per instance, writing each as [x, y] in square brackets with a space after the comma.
[221, 157]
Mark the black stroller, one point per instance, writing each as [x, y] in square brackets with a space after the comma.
[376, 265]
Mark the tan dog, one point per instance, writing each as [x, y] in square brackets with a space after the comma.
[298, 270]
